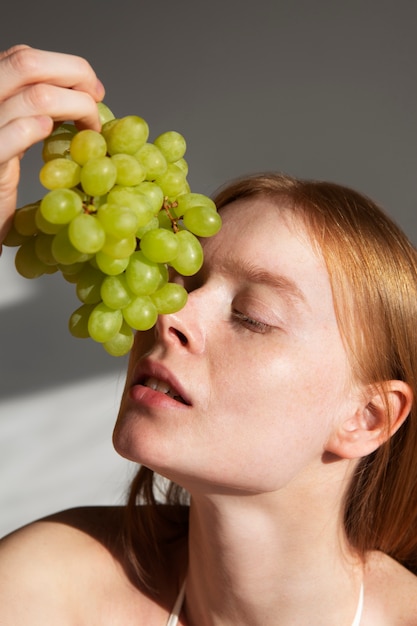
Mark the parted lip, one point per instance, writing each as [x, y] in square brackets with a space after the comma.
[148, 368]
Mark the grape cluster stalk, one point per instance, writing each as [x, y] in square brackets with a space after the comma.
[117, 214]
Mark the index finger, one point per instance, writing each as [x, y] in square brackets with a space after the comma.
[23, 65]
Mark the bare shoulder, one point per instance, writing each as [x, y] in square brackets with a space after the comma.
[67, 569]
[63, 536]
[390, 592]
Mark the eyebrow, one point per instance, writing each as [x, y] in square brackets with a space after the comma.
[259, 275]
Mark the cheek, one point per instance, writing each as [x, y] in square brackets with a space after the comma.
[305, 388]
[268, 430]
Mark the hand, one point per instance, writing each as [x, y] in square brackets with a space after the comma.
[37, 89]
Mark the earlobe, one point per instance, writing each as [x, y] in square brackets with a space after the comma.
[382, 413]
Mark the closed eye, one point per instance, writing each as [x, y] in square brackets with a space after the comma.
[248, 322]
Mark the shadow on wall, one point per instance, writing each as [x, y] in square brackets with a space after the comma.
[37, 350]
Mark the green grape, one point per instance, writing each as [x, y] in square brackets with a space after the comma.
[86, 233]
[202, 221]
[152, 160]
[65, 127]
[14, 239]
[144, 212]
[119, 248]
[110, 265]
[25, 220]
[172, 145]
[92, 261]
[78, 321]
[152, 223]
[164, 271]
[190, 200]
[129, 171]
[141, 313]
[60, 206]
[27, 262]
[58, 143]
[183, 165]
[70, 278]
[87, 144]
[60, 173]
[70, 272]
[118, 214]
[105, 114]
[159, 245]
[142, 275]
[88, 285]
[115, 292]
[121, 343]
[173, 181]
[164, 220]
[107, 126]
[187, 188]
[190, 255]
[170, 298]
[43, 248]
[123, 196]
[44, 226]
[71, 269]
[104, 323]
[126, 135]
[51, 269]
[116, 220]
[98, 176]
[137, 202]
[56, 146]
[63, 250]
[153, 194]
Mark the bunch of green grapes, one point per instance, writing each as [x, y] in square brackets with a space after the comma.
[117, 214]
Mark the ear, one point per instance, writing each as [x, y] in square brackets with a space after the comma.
[383, 411]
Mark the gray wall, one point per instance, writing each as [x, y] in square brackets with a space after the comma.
[323, 89]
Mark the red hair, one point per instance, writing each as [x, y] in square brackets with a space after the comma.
[373, 273]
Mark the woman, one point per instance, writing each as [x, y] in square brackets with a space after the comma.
[279, 402]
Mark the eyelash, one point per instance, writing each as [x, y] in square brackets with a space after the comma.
[248, 322]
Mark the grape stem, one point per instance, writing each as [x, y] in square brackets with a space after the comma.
[88, 207]
[167, 206]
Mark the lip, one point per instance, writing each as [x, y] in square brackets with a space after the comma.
[147, 368]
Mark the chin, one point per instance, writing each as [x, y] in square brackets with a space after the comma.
[128, 440]
[136, 439]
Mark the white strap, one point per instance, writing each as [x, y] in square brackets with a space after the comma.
[359, 610]
[173, 618]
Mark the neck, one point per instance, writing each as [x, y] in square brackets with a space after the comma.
[261, 558]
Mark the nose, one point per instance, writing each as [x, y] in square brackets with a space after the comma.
[186, 328]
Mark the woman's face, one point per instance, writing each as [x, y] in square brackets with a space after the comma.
[254, 365]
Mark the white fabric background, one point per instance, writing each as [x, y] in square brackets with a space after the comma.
[55, 446]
